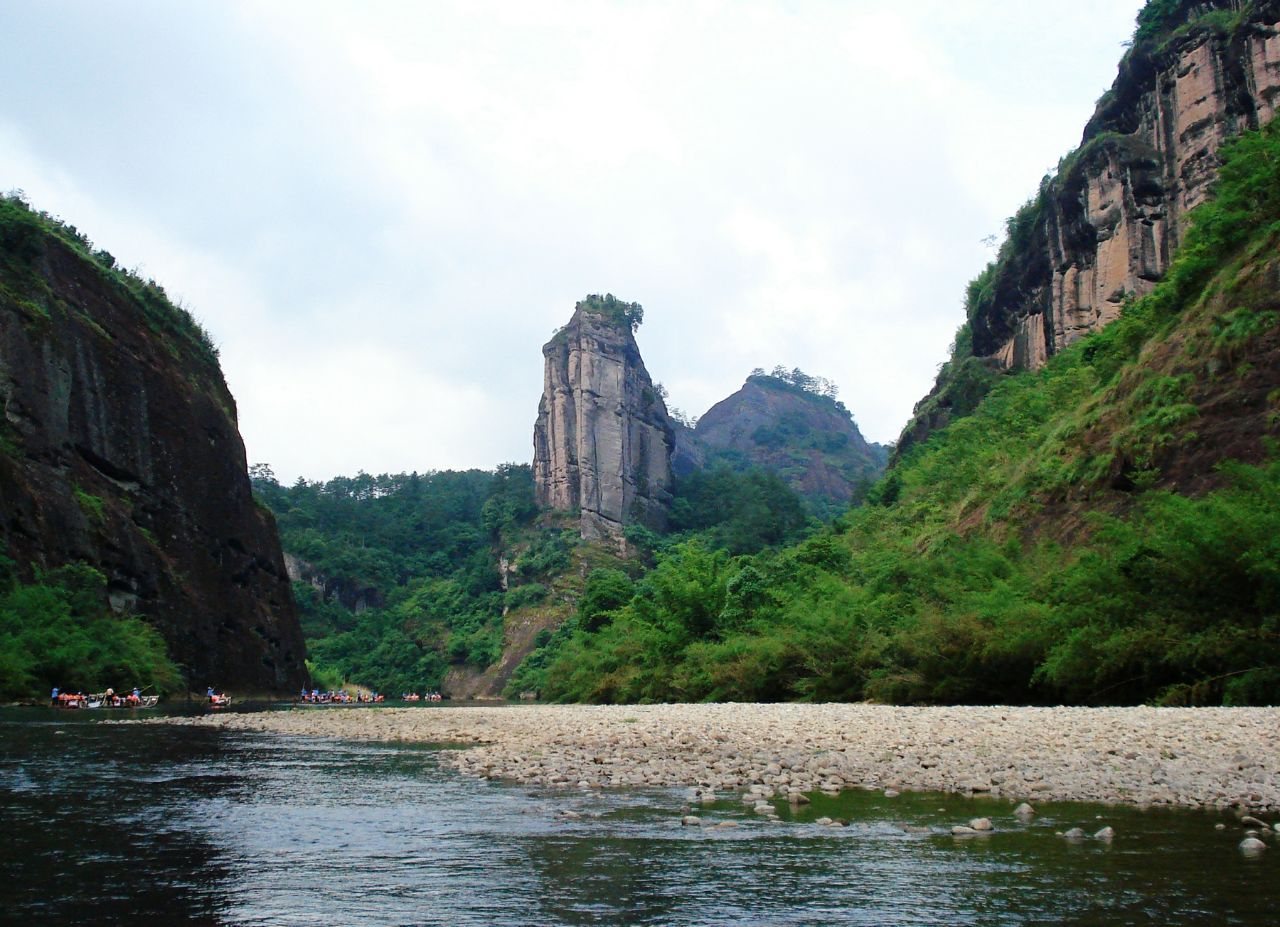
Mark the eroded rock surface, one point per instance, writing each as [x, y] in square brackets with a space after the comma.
[1107, 225]
[603, 440]
[120, 449]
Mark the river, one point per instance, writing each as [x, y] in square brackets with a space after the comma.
[109, 823]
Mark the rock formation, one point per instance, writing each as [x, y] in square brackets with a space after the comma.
[603, 440]
[353, 596]
[1105, 227]
[810, 440]
[120, 449]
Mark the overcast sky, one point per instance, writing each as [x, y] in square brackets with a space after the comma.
[381, 210]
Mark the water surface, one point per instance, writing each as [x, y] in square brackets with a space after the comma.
[109, 823]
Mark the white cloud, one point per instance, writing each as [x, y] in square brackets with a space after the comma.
[381, 210]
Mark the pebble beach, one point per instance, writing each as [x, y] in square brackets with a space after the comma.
[1191, 757]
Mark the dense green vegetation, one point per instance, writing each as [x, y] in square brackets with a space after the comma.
[614, 309]
[943, 592]
[59, 631]
[1161, 21]
[407, 568]
[402, 571]
[742, 512]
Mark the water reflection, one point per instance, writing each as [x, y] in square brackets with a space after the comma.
[108, 823]
[87, 832]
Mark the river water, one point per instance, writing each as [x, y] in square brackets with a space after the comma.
[109, 823]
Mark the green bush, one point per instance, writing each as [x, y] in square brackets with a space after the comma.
[58, 631]
[528, 594]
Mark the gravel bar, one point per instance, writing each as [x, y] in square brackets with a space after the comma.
[1192, 757]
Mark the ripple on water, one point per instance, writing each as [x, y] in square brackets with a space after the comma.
[189, 823]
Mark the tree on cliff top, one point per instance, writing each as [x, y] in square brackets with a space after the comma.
[614, 309]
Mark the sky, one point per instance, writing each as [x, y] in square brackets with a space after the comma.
[381, 210]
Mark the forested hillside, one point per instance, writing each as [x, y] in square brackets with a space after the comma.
[1105, 529]
[450, 579]
[396, 576]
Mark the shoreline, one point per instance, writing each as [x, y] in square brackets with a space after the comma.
[1172, 757]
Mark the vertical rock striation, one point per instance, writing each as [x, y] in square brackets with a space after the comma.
[119, 448]
[1104, 228]
[603, 440]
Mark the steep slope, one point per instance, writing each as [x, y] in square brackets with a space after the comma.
[119, 448]
[1102, 529]
[602, 441]
[1106, 227]
[808, 439]
[1103, 229]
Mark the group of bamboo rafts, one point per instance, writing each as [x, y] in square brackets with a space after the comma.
[108, 699]
[341, 697]
[113, 699]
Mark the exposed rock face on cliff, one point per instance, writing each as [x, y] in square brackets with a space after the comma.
[355, 597]
[119, 448]
[1104, 229]
[603, 440]
[810, 440]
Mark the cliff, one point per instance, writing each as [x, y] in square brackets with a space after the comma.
[808, 439]
[1102, 231]
[602, 442]
[119, 448]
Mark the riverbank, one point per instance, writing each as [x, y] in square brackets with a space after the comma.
[1193, 757]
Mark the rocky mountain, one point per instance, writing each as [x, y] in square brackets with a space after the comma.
[119, 448]
[1103, 229]
[602, 442]
[776, 422]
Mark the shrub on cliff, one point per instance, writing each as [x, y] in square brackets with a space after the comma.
[614, 309]
[23, 232]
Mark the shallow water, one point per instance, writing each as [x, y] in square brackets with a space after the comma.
[105, 823]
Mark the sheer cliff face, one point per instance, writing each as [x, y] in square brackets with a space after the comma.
[1105, 228]
[602, 442]
[120, 449]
